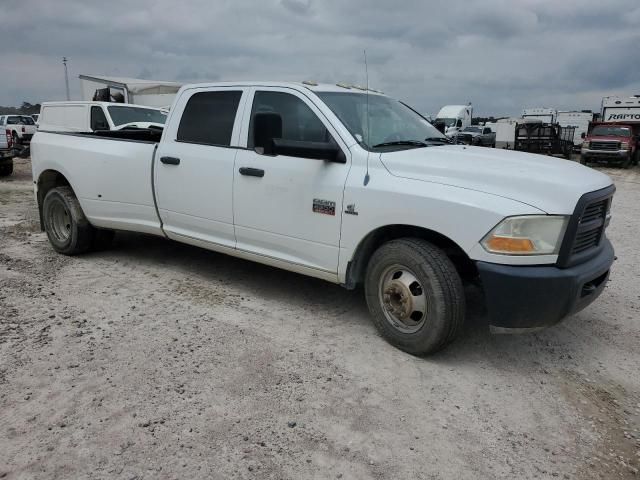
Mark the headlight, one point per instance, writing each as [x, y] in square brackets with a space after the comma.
[527, 235]
[585, 146]
[624, 146]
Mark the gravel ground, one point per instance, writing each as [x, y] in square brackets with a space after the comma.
[156, 360]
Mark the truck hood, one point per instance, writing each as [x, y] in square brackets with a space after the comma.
[550, 184]
[607, 138]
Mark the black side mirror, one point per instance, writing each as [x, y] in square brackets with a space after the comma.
[583, 135]
[267, 126]
[315, 150]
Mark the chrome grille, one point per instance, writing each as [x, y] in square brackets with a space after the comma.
[608, 146]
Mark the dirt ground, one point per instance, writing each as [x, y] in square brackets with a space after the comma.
[155, 360]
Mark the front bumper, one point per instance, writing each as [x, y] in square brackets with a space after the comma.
[532, 297]
[615, 155]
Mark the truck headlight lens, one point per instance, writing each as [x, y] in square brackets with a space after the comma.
[585, 146]
[624, 146]
[527, 235]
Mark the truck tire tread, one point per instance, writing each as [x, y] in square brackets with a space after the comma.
[446, 288]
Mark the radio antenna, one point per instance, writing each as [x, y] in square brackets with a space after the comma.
[366, 72]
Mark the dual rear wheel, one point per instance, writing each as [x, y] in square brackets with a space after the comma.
[68, 229]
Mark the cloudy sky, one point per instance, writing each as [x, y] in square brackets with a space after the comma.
[502, 55]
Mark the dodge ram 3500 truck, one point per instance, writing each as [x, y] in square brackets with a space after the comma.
[349, 186]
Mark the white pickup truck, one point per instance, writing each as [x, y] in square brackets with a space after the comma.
[349, 186]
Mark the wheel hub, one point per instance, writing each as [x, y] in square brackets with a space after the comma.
[403, 299]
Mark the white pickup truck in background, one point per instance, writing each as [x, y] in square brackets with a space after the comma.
[22, 128]
[81, 116]
[299, 176]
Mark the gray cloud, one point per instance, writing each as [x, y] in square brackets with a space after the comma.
[502, 55]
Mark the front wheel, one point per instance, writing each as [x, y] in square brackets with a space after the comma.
[627, 161]
[415, 296]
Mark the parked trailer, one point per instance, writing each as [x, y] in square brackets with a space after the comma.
[543, 138]
[505, 129]
[544, 114]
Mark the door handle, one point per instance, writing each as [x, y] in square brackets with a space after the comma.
[170, 160]
[252, 172]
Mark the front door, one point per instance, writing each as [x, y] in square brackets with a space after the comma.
[194, 167]
[288, 207]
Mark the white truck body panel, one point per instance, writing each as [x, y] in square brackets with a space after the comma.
[621, 109]
[580, 120]
[544, 114]
[506, 132]
[150, 93]
[460, 192]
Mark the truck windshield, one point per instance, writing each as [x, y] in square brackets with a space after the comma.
[122, 115]
[472, 129]
[611, 131]
[449, 122]
[390, 122]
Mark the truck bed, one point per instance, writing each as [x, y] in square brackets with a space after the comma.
[110, 172]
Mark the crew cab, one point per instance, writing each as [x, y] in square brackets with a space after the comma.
[81, 116]
[22, 127]
[477, 135]
[347, 185]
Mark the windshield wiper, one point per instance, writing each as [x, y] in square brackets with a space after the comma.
[413, 143]
[438, 139]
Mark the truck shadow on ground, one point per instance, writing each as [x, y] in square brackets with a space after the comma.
[326, 299]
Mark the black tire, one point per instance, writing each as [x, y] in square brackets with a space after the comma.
[16, 140]
[102, 239]
[69, 231]
[583, 160]
[493, 145]
[437, 281]
[627, 161]
[6, 170]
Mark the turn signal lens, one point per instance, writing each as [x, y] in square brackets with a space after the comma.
[508, 244]
[527, 235]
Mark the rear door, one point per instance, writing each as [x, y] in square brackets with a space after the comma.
[287, 207]
[194, 166]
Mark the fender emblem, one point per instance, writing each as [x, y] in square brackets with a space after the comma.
[351, 209]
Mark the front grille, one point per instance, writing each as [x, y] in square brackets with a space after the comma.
[607, 146]
[465, 138]
[585, 232]
[590, 226]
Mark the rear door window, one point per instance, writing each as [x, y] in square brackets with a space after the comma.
[208, 118]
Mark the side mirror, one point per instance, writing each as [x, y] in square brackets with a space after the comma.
[459, 124]
[266, 127]
[583, 135]
[316, 150]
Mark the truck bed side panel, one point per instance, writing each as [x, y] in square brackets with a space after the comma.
[110, 177]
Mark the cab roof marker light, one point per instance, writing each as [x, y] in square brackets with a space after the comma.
[343, 85]
[310, 83]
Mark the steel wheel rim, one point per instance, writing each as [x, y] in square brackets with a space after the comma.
[60, 222]
[403, 299]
